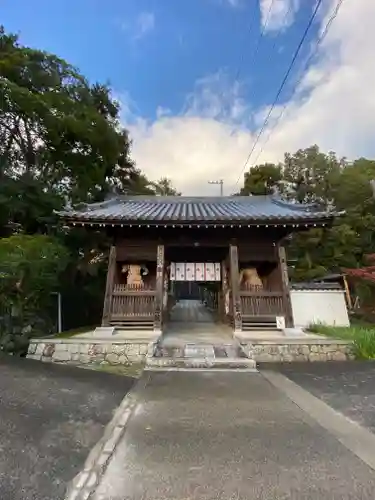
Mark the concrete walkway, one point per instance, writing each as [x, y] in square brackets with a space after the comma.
[205, 436]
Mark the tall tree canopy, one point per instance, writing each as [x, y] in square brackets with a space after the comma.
[309, 175]
[262, 179]
[61, 141]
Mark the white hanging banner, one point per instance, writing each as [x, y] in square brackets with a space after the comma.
[180, 271]
[190, 271]
[210, 271]
[195, 271]
[199, 271]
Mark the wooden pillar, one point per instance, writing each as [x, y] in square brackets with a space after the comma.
[223, 292]
[159, 288]
[283, 267]
[106, 318]
[234, 283]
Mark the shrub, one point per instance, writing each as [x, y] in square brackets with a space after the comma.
[30, 268]
[364, 343]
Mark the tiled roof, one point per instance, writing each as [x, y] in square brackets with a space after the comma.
[181, 209]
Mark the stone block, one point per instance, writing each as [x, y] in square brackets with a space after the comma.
[84, 348]
[314, 356]
[95, 349]
[49, 350]
[73, 348]
[61, 347]
[39, 349]
[61, 356]
[74, 356]
[305, 350]
[119, 349]
[339, 356]
[97, 358]
[112, 358]
[288, 358]
[300, 358]
[143, 349]
[107, 348]
[46, 359]
[32, 348]
[123, 360]
[329, 348]
[132, 350]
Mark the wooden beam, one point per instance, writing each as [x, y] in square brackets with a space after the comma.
[159, 288]
[109, 287]
[234, 282]
[347, 293]
[283, 269]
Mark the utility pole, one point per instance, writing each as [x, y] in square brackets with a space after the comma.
[219, 182]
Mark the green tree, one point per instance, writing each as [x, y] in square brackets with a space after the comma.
[309, 175]
[164, 187]
[57, 128]
[262, 179]
[60, 141]
[30, 268]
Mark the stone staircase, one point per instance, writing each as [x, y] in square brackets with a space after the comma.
[199, 356]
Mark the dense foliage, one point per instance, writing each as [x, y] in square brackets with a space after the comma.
[29, 270]
[61, 141]
[315, 177]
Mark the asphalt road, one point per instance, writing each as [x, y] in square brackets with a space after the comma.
[228, 436]
[347, 387]
[50, 418]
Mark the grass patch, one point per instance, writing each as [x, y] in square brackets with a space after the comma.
[362, 337]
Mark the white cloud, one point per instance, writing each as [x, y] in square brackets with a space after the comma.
[277, 15]
[212, 137]
[145, 23]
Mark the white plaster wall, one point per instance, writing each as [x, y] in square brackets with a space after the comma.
[319, 306]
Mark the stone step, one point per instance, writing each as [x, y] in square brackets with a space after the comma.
[195, 362]
[199, 351]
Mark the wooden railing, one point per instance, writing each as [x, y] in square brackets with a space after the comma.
[258, 301]
[132, 302]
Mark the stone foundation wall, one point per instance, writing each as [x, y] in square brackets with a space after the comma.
[273, 352]
[84, 352]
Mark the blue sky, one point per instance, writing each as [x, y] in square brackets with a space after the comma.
[155, 51]
[195, 79]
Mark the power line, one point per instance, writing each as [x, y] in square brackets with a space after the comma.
[305, 68]
[261, 35]
[319, 2]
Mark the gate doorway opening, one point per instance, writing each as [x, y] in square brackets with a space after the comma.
[195, 294]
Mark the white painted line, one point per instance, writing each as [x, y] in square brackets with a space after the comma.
[354, 437]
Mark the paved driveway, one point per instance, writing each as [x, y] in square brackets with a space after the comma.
[50, 418]
[348, 387]
[210, 435]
